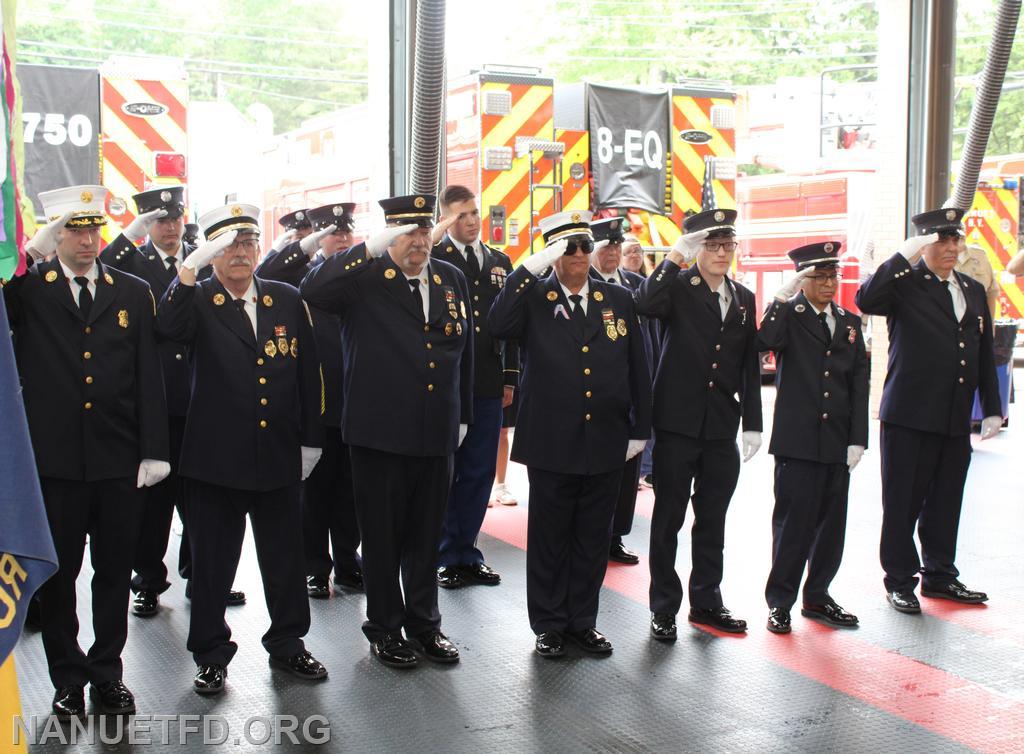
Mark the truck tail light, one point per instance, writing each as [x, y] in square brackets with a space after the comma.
[170, 165]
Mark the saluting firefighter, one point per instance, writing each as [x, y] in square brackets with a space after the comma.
[608, 240]
[496, 374]
[940, 352]
[708, 381]
[253, 431]
[297, 225]
[819, 435]
[93, 392]
[328, 508]
[161, 218]
[585, 410]
[407, 341]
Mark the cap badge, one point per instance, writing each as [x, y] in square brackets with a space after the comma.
[552, 296]
[437, 279]
[389, 274]
[695, 281]
[575, 217]
[719, 216]
[598, 296]
[419, 202]
[950, 214]
[165, 196]
[828, 248]
[86, 196]
[338, 210]
[613, 225]
[218, 299]
[268, 301]
[236, 211]
[51, 276]
[852, 335]
[300, 215]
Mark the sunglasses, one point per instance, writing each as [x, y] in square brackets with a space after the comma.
[944, 234]
[578, 243]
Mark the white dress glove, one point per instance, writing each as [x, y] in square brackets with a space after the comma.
[208, 250]
[379, 243]
[751, 444]
[283, 240]
[635, 448]
[853, 455]
[790, 287]
[990, 427]
[151, 472]
[601, 244]
[537, 263]
[311, 243]
[912, 247]
[138, 228]
[44, 242]
[463, 431]
[688, 245]
[310, 456]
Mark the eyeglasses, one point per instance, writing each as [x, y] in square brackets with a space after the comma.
[249, 244]
[581, 243]
[727, 246]
[828, 277]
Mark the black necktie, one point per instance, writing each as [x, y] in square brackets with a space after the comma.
[471, 262]
[172, 264]
[84, 297]
[613, 281]
[417, 296]
[824, 326]
[578, 315]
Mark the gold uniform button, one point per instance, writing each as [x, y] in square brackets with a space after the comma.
[586, 349]
[824, 416]
[828, 353]
[88, 380]
[714, 365]
[961, 380]
[88, 330]
[476, 313]
[263, 380]
[826, 395]
[263, 423]
[477, 328]
[961, 344]
[826, 373]
[963, 363]
[587, 417]
[711, 384]
[426, 328]
[430, 388]
[432, 365]
[259, 362]
[87, 355]
[588, 394]
[476, 282]
[718, 346]
[177, 357]
[429, 346]
[476, 298]
[263, 401]
[89, 405]
[586, 370]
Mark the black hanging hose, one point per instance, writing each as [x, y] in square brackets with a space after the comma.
[427, 96]
[985, 103]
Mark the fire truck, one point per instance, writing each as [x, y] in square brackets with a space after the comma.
[123, 125]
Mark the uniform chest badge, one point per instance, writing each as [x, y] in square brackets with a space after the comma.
[449, 328]
[693, 281]
[437, 279]
[389, 274]
[280, 331]
[981, 325]
[620, 325]
[608, 319]
[270, 349]
[51, 276]
[851, 336]
[295, 348]
[462, 308]
[799, 308]
[107, 278]
[267, 301]
[218, 299]
[498, 277]
[458, 328]
[598, 296]
[282, 346]
[122, 318]
[552, 296]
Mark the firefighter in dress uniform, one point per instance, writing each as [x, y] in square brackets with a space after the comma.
[940, 352]
[496, 365]
[819, 435]
[328, 509]
[253, 431]
[93, 391]
[161, 218]
[708, 381]
[585, 410]
[407, 341]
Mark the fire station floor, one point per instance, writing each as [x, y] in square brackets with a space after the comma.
[950, 679]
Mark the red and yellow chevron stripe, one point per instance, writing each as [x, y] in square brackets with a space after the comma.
[129, 141]
[688, 159]
[992, 224]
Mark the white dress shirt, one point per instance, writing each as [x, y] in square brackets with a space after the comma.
[724, 297]
[956, 293]
[830, 320]
[76, 289]
[250, 304]
[584, 292]
[164, 257]
[476, 250]
[424, 279]
[614, 277]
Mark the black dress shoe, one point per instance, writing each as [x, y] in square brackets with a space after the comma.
[113, 697]
[349, 579]
[591, 640]
[663, 627]
[435, 646]
[302, 665]
[449, 577]
[779, 621]
[904, 601]
[146, 603]
[717, 617]
[209, 679]
[68, 702]
[480, 573]
[954, 591]
[317, 587]
[831, 613]
[393, 652]
[549, 644]
[236, 597]
[619, 553]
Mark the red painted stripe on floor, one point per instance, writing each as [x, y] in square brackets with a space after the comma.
[930, 697]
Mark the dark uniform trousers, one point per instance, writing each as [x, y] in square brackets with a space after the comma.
[408, 385]
[936, 362]
[707, 382]
[585, 394]
[218, 514]
[495, 366]
[330, 530]
[162, 498]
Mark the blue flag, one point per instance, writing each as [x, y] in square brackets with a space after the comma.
[27, 557]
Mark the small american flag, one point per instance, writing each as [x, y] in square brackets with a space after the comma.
[707, 191]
